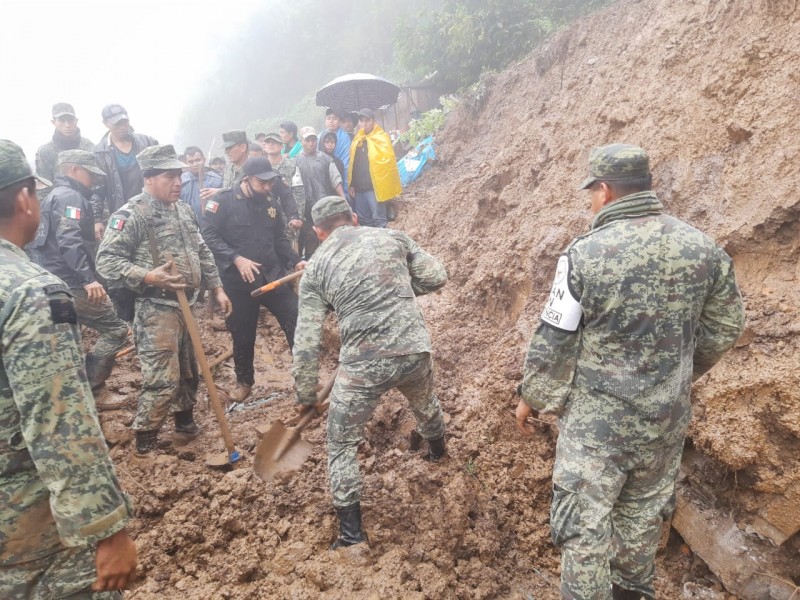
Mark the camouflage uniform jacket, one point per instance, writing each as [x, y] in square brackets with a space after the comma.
[125, 258]
[369, 277]
[231, 175]
[57, 483]
[640, 306]
[291, 175]
[47, 158]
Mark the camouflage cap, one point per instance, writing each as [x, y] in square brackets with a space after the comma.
[61, 109]
[231, 138]
[14, 166]
[159, 157]
[617, 162]
[275, 137]
[82, 158]
[329, 206]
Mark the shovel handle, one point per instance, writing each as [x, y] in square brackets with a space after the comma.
[322, 395]
[194, 334]
[277, 283]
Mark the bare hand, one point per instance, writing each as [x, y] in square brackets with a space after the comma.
[301, 265]
[161, 277]
[207, 193]
[318, 408]
[247, 268]
[523, 412]
[95, 292]
[295, 224]
[115, 562]
[352, 192]
[99, 230]
[223, 302]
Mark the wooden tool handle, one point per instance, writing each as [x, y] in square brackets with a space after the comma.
[197, 343]
[273, 284]
[309, 415]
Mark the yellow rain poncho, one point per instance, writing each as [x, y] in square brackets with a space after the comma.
[382, 163]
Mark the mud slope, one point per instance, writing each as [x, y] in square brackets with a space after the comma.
[710, 89]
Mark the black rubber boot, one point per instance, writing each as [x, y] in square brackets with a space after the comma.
[618, 593]
[350, 531]
[146, 442]
[186, 429]
[436, 450]
[98, 370]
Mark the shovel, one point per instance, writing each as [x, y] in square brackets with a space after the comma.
[274, 284]
[232, 455]
[282, 450]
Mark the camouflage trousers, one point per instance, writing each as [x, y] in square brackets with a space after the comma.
[67, 574]
[606, 517]
[357, 391]
[170, 375]
[113, 331]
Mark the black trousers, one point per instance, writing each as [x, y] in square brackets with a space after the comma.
[281, 302]
[307, 240]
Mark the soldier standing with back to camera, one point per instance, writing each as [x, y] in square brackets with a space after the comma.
[133, 253]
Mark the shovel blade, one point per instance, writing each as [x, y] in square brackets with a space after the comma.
[268, 466]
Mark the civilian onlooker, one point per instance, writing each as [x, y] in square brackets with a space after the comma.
[116, 156]
[373, 176]
[328, 147]
[217, 165]
[254, 150]
[236, 145]
[320, 178]
[193, 192]
[291, 144]
[333, 120]
[66, 136]
[349, 122]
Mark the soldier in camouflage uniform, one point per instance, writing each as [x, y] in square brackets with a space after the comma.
[62, 512]
[67, 136]
[64, 245]
[235, 144]
[369, 277]
[641, 305]
[138, 238]
[287, 167]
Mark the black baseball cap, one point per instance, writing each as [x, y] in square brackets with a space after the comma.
[114, 113]
[260, 168]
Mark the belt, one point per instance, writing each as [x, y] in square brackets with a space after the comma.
[159, 294]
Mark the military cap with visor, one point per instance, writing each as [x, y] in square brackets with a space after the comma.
[14, 166]
[232, 138]
[616, 162]
[161, 158]
[329, 206]
[63, 109]
[273, 137]
[82, 158]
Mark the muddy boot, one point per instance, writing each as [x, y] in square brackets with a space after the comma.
[240, 393]
[146, 442]
[436, 450]
[350, 531]
[186, 429]
[98, 370]
[618, 593]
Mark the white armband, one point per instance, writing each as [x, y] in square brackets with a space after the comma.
[562, 310]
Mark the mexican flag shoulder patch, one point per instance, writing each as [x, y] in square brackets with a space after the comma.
[116, 223]
[72, 213]
[212, 206]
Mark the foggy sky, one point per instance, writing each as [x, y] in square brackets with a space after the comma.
[148, 55]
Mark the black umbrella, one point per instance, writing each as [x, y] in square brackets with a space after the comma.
[356, 91]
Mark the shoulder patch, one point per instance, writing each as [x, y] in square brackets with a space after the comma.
[212, 206]
[562, 310]
[72, 212]
[62, 308]
[117, 222]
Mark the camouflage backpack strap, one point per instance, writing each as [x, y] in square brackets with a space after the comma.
[144, 210]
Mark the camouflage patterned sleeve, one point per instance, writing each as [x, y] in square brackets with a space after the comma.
[312, 310]
[722, 319]
[114, 260]
[57, 419]
[427, 273]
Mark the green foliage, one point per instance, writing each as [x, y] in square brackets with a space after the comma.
[430, 122]
[467, 37]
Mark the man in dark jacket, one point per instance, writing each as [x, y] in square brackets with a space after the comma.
[67, 136]
[116, 156]
[244, 228]
[64, 245]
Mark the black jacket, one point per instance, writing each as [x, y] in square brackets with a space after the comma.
[234, 225]
[109, 197]
[64, 243]
[283, 190]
